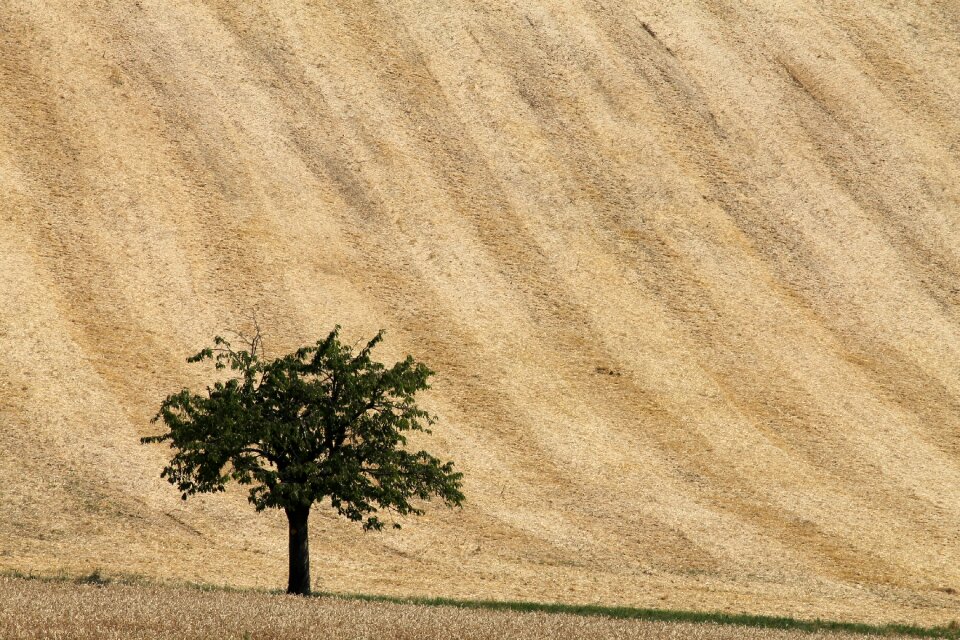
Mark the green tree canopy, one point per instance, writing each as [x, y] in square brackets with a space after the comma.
[320, 423]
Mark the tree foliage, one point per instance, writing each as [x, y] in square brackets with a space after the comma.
[321, 423]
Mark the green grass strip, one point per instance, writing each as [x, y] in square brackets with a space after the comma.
[668, 615]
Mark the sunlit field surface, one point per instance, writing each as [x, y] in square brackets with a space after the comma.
[688, 273]
[35, 609]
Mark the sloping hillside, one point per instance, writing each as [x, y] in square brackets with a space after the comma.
[689, 274]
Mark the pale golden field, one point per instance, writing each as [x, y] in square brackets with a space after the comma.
[689, 274]
[35, 610]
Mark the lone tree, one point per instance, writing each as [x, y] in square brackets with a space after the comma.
[321, 422]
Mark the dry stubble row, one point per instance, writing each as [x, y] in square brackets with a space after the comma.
[36, 609]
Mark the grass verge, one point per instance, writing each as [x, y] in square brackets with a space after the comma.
[669, 615]
[951, 631]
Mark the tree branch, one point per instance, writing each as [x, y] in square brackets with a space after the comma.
[259, 452]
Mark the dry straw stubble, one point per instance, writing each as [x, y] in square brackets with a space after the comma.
[747, 210]
[34, 610]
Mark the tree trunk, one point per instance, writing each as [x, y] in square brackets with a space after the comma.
[299, 582]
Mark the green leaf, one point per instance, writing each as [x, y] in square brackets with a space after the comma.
[320, 423]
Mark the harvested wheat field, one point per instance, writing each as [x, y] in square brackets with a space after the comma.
[688, 272]
[60, 610]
